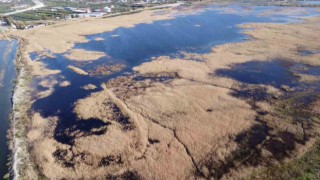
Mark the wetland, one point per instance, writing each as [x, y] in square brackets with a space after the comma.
[215, 91]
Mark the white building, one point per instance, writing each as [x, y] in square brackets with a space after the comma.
[108, 9]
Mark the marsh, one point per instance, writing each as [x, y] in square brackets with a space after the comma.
[164, 89]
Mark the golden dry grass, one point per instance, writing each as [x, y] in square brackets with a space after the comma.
[99, 39]
[38, 68]
[308, 78]
[93, 106]
[63, 35]
[65, 83]
[176, 124]
[178, 117]
[89, 87]
[269, 42]
[201, 115]
[77, 70]
[48, 83]
[83, 55]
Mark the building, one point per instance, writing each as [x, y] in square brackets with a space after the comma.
[94, 14]
[108, 9]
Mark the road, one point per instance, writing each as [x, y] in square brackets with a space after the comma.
[169, 5]
[38, 4]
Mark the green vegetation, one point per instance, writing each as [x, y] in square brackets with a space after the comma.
[4, 8]
[305, 168]
[75, 4]
[6, 176]
[43, 14]
[14, 4]
[294, 108]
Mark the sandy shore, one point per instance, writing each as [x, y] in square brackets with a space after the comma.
[187, 126]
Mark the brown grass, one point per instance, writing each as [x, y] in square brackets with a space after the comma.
[47, 83]
[38, 68]
[99, 39]
[89, 87]
[178, 118]
[83, 55]
[61, 37]
[308, 78]
[178, 124]
[65, 83]
[77, 70]
[93, 107]
[270, 42]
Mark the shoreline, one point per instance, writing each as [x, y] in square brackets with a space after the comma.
[7, 77]
[18, 125]
[20, 99]
[69, 38]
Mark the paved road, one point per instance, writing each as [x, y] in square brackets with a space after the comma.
[169, 5]
[38, 4]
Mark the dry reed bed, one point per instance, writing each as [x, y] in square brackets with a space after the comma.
[180, 128]
[83, 55]
[78, 70]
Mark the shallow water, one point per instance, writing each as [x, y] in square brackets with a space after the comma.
[275, 73]
[309, 2]
[308, 53]
[196, 33]
[7, 75]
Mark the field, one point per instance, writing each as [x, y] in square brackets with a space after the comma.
[14, 4]
[40, 15]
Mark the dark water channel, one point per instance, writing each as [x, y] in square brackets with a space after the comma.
[7, 74]
[277, 73]
[196, 33]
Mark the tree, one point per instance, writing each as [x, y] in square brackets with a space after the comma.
[8, 20]
[20, 25]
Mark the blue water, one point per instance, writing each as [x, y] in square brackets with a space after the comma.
[305, 69]
[309, 2]
[7, 74]
[132, 46]
[275, 73]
